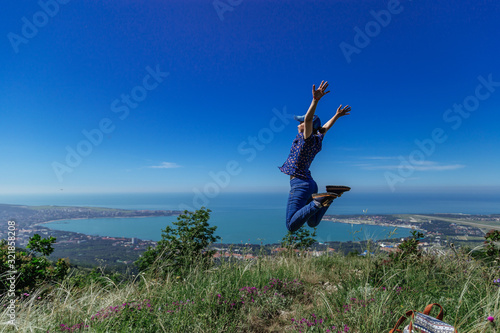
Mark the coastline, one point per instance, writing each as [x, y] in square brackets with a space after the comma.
[149, 216]
[247, 227]
[96, 218]
[368, 222]
[345, 222]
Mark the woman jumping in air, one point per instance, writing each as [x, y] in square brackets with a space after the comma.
[304, 203]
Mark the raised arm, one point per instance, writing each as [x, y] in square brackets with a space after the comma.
[317, 95]
[340, 113]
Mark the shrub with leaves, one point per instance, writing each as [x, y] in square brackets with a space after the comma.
[183, 245]
[408, 249]
[41, 245]
[407, 253]
[301, 239]
[492, 244]
[490, 252]
[32, 270]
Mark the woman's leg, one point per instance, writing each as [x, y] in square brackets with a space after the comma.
[300, 206]
[315, 219]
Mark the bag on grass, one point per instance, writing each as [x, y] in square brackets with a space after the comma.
[424, 323]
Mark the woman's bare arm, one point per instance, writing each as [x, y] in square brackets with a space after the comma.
[317, 95]
[340, 113]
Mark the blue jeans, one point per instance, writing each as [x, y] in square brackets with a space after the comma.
[301, 208]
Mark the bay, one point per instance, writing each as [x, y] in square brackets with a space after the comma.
[248, 227]
[257, 217]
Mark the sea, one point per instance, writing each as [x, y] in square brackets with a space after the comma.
[256, 218]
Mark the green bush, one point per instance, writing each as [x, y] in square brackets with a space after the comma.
[301, 239]
[31, 271]
[182, 246]
[41, 245]
[408, 254]
[408, 249]
[492, 244]
[490, 251]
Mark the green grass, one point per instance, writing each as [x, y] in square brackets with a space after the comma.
[271, 294]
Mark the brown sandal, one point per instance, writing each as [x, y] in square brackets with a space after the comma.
[324, 199]
[337, 189]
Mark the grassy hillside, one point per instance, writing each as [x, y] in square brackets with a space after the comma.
[286, 293]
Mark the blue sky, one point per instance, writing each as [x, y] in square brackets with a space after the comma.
[169, 96]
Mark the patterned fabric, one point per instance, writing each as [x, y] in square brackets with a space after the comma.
[428, 324]
[301, 155]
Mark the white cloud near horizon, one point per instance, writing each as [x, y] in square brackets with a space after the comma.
[380, 158]
[165, 165]
[418, 166]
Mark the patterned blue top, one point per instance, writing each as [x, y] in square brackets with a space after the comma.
[301, 155]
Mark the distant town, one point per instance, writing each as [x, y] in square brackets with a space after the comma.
[86, 250]
[90, 250]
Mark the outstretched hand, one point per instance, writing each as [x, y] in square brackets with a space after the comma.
[343, 112]
[317, 94]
